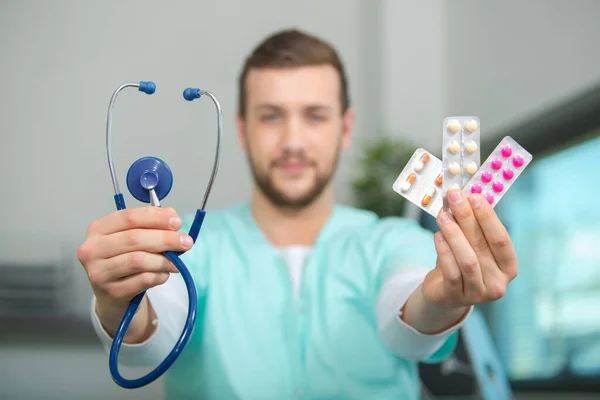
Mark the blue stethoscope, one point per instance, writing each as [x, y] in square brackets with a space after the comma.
[149, 180]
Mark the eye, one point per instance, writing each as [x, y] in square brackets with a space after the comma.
[269, 117]
[316, 117]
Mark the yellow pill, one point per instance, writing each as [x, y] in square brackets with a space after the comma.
[471, 146]
[454, 168]
[471, 168]
[471, 126]
[453, 147]
[453, 126]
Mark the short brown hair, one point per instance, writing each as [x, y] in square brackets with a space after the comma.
[292, 48]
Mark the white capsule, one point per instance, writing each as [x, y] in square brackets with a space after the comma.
[428, 196]
[422, 161]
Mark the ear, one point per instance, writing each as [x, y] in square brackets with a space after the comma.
[241, 131]
[347, 128]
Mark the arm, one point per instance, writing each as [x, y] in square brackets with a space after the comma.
[140, 328]
[475, 262]
[408, 326]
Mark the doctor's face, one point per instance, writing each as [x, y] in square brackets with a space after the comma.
[293, 130]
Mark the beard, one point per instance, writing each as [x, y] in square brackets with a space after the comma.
[265, 183]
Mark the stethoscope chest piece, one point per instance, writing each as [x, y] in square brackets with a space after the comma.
[149, 180]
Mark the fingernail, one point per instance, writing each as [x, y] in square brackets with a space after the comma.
[174, 222]
[455, 196]
[439, 237]
[186, 241]
[475, 200]
[444, 218]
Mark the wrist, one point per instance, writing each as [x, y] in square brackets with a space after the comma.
[441, 307]
[429, 317]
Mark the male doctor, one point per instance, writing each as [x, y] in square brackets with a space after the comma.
[300, 297]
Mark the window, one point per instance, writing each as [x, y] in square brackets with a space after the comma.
[548, 326]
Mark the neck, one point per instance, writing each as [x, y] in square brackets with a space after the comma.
[285, 227]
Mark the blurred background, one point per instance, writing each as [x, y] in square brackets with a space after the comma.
[528, 69]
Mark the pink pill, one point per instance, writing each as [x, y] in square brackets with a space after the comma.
[497, 186]
[508, 174]
[518, 161]
[489, 198]
[486, 176]
[476, 188]
[497, 164]
[506, 151]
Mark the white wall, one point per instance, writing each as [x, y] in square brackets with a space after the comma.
[500, 60]
[507, 60]
[61, 62]
[412, 71]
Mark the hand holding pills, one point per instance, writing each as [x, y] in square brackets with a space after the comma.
[476, 258]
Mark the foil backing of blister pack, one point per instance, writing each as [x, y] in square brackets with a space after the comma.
[460, 152]
[499, 171]
[420, 182]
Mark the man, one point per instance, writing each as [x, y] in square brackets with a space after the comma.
[300, 297]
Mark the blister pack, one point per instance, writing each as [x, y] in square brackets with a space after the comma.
[460, 152]
[420, 182]
[499, 171]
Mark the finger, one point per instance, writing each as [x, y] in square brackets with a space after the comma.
[496, 235]
[465, 218]
[136, 262]
[464, 255]
[149, 240]
[451, 272]
[131, 218]
[127, 288]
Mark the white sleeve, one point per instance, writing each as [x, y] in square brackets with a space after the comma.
[403, 339]
[170, 304]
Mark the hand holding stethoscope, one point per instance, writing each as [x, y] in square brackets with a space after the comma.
[149, 180]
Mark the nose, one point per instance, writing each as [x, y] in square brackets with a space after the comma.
[292, 135]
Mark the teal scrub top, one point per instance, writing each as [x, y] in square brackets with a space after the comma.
[254, 339]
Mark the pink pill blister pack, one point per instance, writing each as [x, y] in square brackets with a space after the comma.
[499, 171]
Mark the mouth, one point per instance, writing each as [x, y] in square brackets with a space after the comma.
[293, 166]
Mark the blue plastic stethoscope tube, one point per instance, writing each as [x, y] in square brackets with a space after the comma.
[149, 180]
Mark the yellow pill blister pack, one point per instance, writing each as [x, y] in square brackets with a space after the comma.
[460, 152]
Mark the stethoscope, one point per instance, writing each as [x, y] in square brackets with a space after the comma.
[149, 180]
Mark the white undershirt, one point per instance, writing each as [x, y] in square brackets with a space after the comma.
[169, 301]
[295, 258]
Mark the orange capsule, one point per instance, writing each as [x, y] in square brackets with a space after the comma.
[438, 180]
[408, 183]
[422, 161]
[428, 196]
